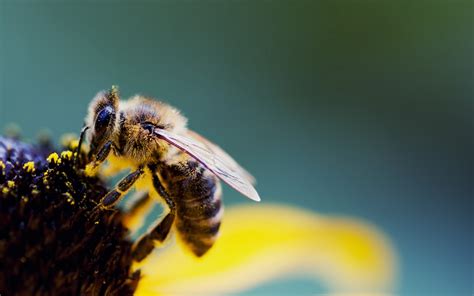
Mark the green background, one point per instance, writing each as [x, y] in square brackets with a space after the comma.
[360, 108]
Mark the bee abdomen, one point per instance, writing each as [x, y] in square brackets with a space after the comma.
[199, 212]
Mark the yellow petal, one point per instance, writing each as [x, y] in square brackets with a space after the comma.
[263, 242]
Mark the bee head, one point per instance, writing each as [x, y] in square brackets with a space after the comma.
[141, 117]
[101, 119]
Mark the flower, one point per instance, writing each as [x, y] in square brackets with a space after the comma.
[55, 240]
[52, 238]
[264, 242]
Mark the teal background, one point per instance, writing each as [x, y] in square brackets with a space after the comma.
[360, 108]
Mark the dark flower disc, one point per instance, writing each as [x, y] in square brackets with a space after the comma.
[54, 240]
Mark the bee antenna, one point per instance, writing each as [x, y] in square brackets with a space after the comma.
[81, 139]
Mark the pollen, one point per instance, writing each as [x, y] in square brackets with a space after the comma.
[90, 170]
[69, 198]
[45, 177]
[29, 167]
[67, 140]
[69, 185]
[66, 154]
[53, 214]
[74, 144]
[53, 158]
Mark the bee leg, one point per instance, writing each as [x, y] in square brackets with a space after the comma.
[98, 158]
[81, 139]
[103, 153]
[159, 232]
[146, 243]
[113, 196]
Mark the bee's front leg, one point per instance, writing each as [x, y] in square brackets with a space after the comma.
[79, 144]
[102, 154]
[98, 158]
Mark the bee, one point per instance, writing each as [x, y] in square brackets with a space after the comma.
[182, 167]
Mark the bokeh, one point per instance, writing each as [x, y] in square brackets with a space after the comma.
[358, 108]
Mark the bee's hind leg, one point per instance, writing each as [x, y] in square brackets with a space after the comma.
[122, 187]
[158, 232]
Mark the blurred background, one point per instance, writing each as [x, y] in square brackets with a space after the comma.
[359, 108]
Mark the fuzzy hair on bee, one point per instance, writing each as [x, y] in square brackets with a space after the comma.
[184, 169]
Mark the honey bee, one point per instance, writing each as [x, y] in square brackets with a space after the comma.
[152, 139]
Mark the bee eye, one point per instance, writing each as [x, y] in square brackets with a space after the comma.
[103, 119]
[148, 126]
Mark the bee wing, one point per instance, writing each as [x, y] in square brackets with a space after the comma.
[213, 161]
[219, 152]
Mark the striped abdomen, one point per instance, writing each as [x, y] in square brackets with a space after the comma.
[197, 195]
